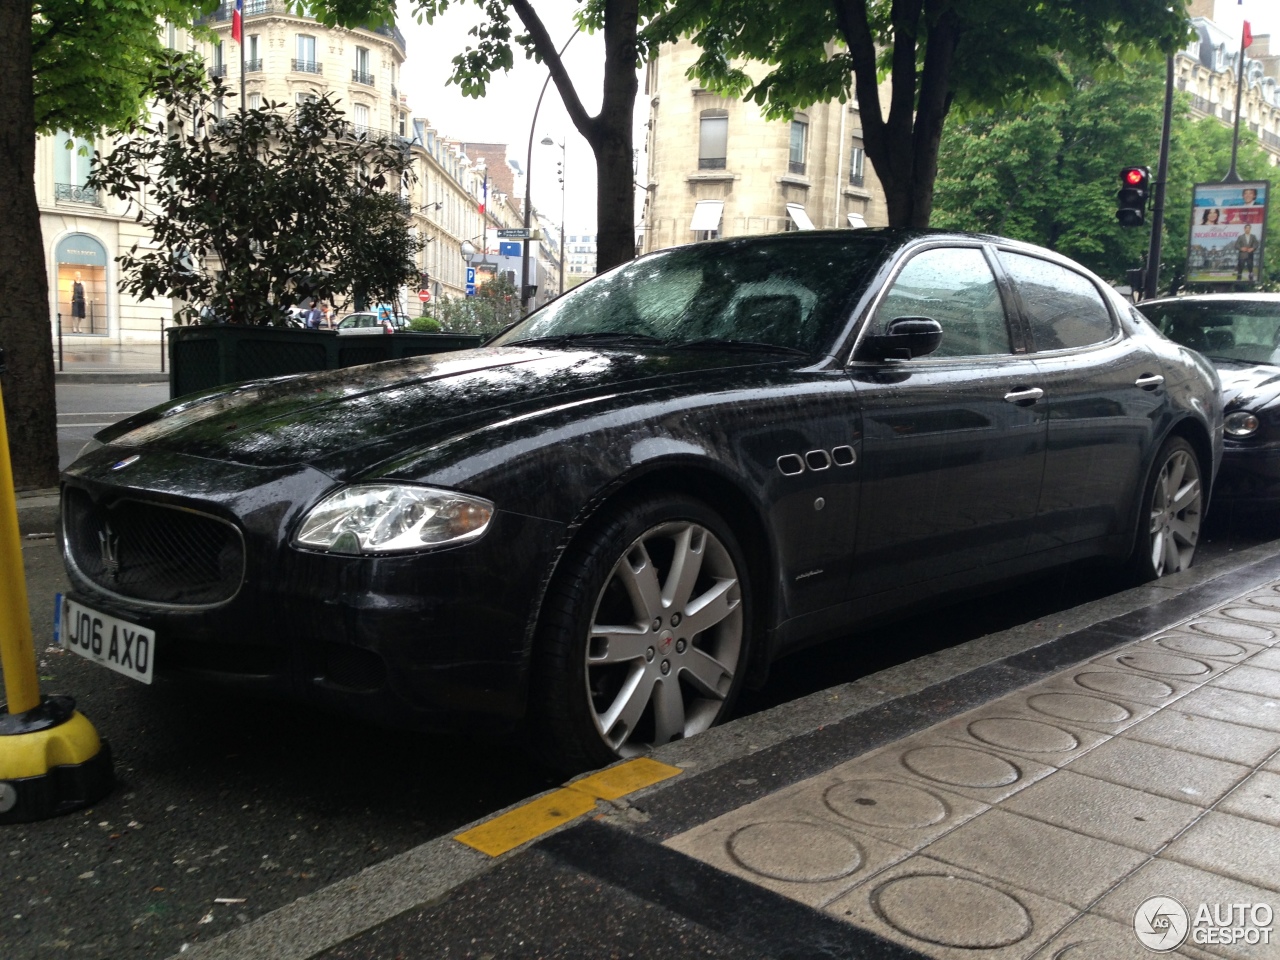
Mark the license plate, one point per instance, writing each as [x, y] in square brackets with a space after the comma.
[116, 644]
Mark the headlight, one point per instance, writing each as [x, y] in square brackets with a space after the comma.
[1240, 424]
[392, 518]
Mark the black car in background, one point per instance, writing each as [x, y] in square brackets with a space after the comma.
[1240, 334]
[610, 518]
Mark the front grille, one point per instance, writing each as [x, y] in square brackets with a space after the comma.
[151, 552]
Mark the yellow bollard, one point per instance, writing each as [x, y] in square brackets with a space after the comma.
[51, 758]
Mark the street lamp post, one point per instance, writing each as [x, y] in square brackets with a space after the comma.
[528, 189]
[548, 142]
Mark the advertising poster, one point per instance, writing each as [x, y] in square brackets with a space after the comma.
[1228, 227]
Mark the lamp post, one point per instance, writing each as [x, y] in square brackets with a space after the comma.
[528, 189]
[548, 142]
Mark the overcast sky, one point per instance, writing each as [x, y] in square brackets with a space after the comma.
[505, 114]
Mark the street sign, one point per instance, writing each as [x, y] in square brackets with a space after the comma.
[424, 296]
[513, 233]
[471, 289]
[471, 276]
[511, 249]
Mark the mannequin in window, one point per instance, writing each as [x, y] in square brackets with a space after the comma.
[77, 304]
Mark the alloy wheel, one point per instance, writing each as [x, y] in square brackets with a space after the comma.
[1176, 508]
[666, 638]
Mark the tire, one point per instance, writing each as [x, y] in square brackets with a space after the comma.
[644, 634]
[1172, 513]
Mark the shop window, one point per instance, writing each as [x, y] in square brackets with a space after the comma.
[82, 285]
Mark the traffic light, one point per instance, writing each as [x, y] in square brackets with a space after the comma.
[1131, 201]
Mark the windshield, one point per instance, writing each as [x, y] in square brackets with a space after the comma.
[793, 293]
[1243, 330]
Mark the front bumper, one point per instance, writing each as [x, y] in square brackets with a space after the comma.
[437, 639]
[1250, 474]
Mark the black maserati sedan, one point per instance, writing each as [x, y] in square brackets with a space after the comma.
[1240, 334]
[605, 521]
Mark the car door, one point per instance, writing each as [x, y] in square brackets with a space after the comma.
[953, 442]
[1103, 391]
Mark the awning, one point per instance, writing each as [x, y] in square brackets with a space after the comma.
[796, 212]
[856, 221]
[706, 215]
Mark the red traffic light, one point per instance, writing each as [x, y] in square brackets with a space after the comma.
[1134, 176]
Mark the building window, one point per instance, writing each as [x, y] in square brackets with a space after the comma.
[302, 98]
[255, 101]
[304, 60]
[171, 36]
[218, 68]
[71, 162]
[799, 145]
[252, 59]
[361, 118]
[713, 141]
[857, 158]
[362, 73]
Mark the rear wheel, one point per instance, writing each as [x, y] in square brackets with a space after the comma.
[1172, 511]
[644, 634]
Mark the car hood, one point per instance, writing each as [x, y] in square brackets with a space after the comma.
[1248, 386]
[346, 421]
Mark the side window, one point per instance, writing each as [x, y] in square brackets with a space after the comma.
[955, 287]
[1063, 308]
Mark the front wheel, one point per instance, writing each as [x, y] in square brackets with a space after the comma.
[1172, 511]
[644, 634]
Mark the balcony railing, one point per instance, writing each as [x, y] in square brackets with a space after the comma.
[1227, 114]
[359, 76]
[217, 70]
[1271, 139]
[856, 180]
[795, 166]
[76, 194]
[253, 66]
[711, 163]
[1200, 103]
[394, 94]
[306, 66]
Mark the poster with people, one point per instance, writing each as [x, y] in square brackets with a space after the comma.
[1228, 224]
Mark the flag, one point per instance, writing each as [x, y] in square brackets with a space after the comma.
[237, 22]
[1244, 43]
[483, 203]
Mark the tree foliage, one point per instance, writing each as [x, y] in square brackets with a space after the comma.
[258, 211]
[1048, 172]
[495, 306]
[935, 54]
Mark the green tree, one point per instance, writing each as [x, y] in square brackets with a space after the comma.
[81, 67]
[289, 203]
[935, 54]
[496, 305]
[1048, 172]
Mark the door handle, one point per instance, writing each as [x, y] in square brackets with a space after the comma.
[1149, 381]
[1025, 396]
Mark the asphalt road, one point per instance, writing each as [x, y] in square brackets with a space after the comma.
[257, 804]
[85, 408]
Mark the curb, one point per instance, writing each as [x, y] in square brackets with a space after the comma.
[109, 376]
[428, 873]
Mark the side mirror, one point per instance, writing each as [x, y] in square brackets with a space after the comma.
[903, 338]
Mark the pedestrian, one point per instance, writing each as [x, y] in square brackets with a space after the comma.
[1246, 246]
[77, 304]
[325, 319]
[313, 316]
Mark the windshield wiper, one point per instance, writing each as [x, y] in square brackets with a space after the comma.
[720, 343]
[600, 336]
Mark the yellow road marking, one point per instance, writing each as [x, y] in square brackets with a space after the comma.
[530, 821]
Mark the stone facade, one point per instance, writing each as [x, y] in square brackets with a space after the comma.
[767, 176]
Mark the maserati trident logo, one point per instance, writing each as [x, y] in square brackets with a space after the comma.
[109, 548]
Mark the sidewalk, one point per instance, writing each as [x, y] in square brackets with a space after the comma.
[100, 360]
[1056, 791]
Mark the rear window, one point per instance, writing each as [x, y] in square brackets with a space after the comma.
[1063, 308]
[1244, 330]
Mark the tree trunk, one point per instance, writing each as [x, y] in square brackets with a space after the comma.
[25, 335]
[611, 142]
